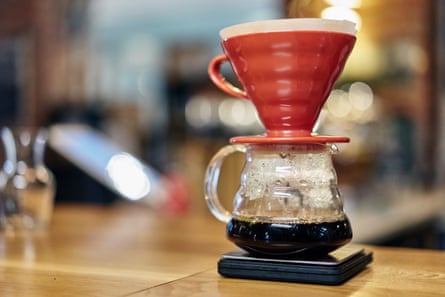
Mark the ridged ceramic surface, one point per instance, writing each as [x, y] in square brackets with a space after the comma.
[288, 75]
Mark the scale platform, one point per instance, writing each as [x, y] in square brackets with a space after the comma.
[332, 269]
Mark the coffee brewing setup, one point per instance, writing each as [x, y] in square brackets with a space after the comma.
[288, 209]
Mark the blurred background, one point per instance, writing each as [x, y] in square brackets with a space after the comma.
[137, 72]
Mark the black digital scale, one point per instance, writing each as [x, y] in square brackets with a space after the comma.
[332, 269]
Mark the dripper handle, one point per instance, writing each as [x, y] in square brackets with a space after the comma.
[211, 181]
[219, 80]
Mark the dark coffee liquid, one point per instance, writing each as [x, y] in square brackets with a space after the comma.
[289, 239]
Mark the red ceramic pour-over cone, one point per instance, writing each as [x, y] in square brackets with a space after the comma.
[287, 68]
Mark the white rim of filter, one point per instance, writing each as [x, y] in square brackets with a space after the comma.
[290, 24]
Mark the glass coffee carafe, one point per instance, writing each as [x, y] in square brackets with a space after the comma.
[288, 202]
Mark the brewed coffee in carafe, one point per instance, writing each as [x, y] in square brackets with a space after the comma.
[288, 202]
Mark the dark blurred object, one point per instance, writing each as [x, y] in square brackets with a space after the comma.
[91, 114]
[73, 184]
[114, 169]
[9, 83]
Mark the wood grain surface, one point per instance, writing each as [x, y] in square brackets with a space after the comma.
[127, 250]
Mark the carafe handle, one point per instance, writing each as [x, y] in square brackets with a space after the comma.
[211, 181]
[219, 80]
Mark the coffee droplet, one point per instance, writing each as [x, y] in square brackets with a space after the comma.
[284, 155]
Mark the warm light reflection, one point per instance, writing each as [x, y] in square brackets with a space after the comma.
[361, 96]
[234, 112]
[199, 112]
[355, 104]
[345, 3]
[365, 50]
[204, 112]
[128, 176]
[338, 103]
[342, 13]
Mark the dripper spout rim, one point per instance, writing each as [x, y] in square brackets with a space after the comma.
[290, 24]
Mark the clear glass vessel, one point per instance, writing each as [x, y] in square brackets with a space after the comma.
[27, 185]
[288, 201]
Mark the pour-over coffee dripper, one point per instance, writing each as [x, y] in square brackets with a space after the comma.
[288, 202]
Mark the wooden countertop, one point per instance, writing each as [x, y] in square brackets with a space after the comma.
[131, 251]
